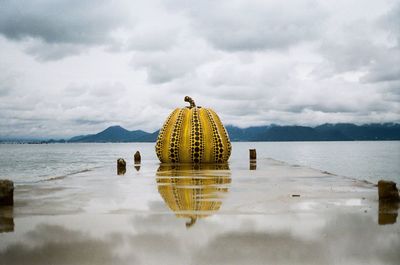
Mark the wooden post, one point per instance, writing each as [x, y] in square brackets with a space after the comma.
[137, 158]
[6, 192]
[389, 202]
[253, 154]
[253, 159]
[121, 166]
[388, 191]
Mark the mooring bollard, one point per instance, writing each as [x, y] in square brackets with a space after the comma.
[253, 154]
[6, 192]
[121, 166]
[388, 191]
[389, 202]
[253, 159]
[137, 158]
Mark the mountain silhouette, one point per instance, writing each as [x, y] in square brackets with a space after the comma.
[117, 134]
[325, 132]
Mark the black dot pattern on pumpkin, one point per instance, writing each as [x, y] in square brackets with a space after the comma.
[229, 145]
[175, 139]
[217, 141]
[179, 167]
[196, 137]
[159, 143]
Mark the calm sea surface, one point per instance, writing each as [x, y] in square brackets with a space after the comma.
[371, 161]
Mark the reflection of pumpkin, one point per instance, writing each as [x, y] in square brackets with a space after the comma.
[193, 135]
[192, 193]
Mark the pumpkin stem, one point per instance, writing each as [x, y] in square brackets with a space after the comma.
[191, 101]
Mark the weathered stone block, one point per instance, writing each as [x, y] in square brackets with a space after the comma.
[121, 166]
[137, 158]
[388, 191]
[6, 192]
[253, 154]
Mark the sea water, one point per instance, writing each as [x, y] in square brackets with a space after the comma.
[364, 160]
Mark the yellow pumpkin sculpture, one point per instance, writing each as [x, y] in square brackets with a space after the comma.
[193, 135]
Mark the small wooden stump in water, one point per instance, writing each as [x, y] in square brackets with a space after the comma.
[389, 201]
[253, 159]
[388, 191]
[6, 192]
[137, 157]
[253, 154]
[121, 166]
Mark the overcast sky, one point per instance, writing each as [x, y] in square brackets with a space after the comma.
[71, 67]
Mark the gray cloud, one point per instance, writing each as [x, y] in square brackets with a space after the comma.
[377, 63]
[386, 67]
[390, 21]
[53, 30]
[255, 25]
[61, 21]
[7, 82]
[54, 51]
[57, 29]
[165, 66]
[370, 47]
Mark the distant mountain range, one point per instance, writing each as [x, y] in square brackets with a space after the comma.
[116, 134]
[325, 132]
[274, 133]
